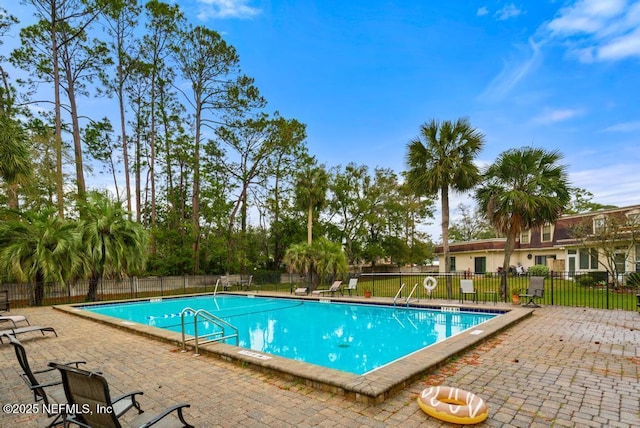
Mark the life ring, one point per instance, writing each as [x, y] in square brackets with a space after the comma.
[430, 283]
[453, 405]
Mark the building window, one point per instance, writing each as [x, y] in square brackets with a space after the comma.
[542, 260]
[599, 225]
[546, 233]
[637, 258]
[524, 237]
[619, 259]
[480, 265]
[452, 264]
[588, 259]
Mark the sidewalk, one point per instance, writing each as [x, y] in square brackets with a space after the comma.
[560, 367]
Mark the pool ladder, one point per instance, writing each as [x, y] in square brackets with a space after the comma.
[216, 336]
[408, 300]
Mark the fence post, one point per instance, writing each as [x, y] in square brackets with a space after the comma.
[373, 284]
[607, 292]
[552, 276]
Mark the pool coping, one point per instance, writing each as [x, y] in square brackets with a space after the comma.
[372, 387]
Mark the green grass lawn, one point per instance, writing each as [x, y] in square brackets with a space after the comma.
[559, 292]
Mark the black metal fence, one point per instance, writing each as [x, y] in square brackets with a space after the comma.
[593, 289]
[23, 295]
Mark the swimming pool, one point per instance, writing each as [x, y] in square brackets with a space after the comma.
[372, 387]
[350, 337]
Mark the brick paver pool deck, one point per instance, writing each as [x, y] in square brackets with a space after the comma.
[559, 367]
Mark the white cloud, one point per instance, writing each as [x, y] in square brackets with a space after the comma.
[621, 47]
[482, 11]
[587, 16]
[509, 11]
[596, 30]
[550, 116]
[226, 9]
[624, 127]
[512, 73]
[615, 185]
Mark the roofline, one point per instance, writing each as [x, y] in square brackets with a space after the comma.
[475, 241]
[600, 211]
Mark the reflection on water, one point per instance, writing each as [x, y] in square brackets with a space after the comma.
[353, 338]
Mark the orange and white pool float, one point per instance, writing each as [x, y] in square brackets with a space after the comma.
[453, 405]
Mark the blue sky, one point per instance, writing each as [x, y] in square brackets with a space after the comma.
[363, 75]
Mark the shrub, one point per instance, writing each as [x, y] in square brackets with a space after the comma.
[538, 270]
[585, 280]
[633, 280]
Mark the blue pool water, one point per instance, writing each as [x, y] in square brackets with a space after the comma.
[351, 337]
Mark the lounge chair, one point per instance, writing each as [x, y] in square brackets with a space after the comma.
[21, 330]
[245, 284]
[466, 289]
[535, 291]
[14, 319]
[90, 391]
[50, 393]
[224, 281]
[335, 287]
[353, 285]
[301, 291]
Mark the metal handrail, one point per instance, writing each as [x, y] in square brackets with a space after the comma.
[217, 336]
[398, 294]
[411, 294]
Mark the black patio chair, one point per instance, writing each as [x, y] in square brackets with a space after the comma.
[50, 393]
[89, 391]
[535, 291]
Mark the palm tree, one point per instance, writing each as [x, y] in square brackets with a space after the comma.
[311, 190]
[330, 259]
[441, 159]
[39, 248]
[298, 258]
[114, 245]
[323, 258]
[525, 188]
[14, 156]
